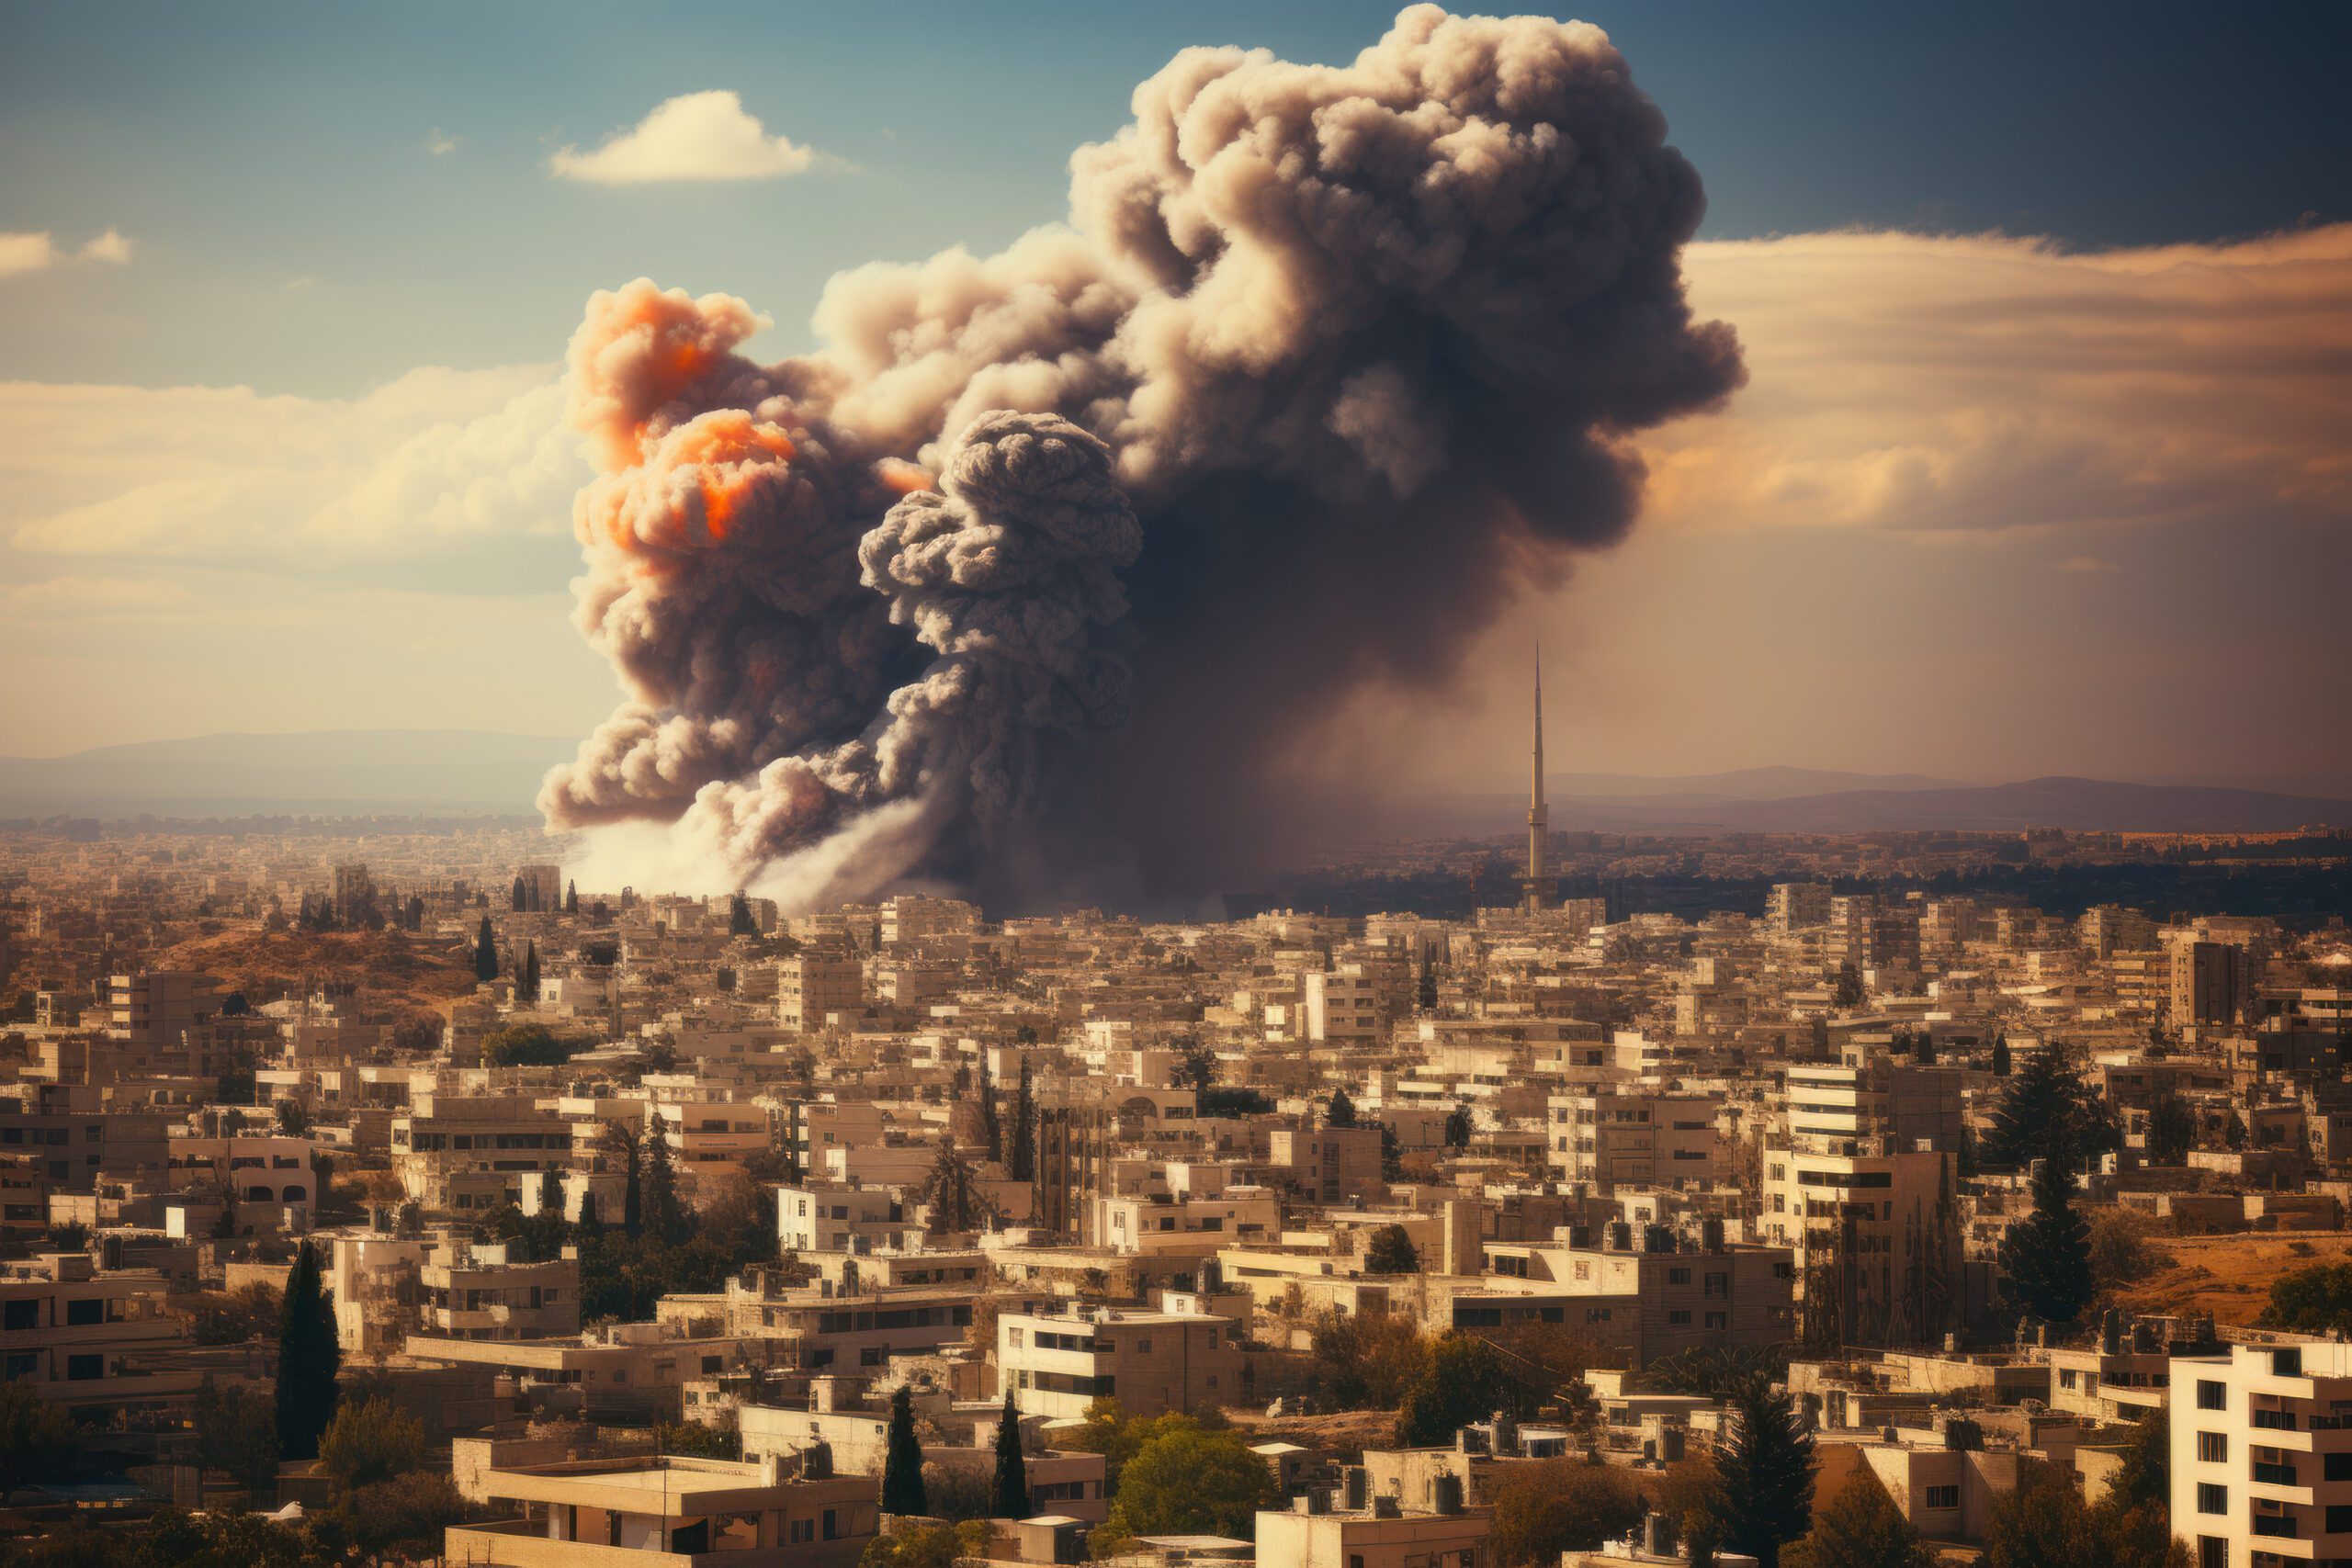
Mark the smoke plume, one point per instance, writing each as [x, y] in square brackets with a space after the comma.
[1328, 363]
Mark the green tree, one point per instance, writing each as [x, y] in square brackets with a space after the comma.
[1022, 1162]
[2047, 1106]
[928, 1544]
[2046, 1256]
[401, 1520]
[2044, 1523]
[1459, 1127]
[1766, 1470]
[2234, 1132]
[1196, 1064]
[1861, 1528]
[696, 1441]
[370, 1440]
[1367, 1364]
[1340, 1111]
[2001, 1055]
[293, 1120]
[2145, 1474]
[2317, 1299]
[2120, 1251]
[528, 1045]
[1848, 991]
[952, 1194]
[238, 1430]
[35, 1438]
[1461, 1382]
[571, 898]
[235, 1317]
[902, 1489]
[2172, 1130]
[1560, 1506]
[1188, 1478]
[662, 1210]
[526, 984]
[1391, 1252]
[738, 917]
[485, 953]
[1923, 1047]
[622, 1145]
[991, 1124]
[1012, 1501]
[309, 1357]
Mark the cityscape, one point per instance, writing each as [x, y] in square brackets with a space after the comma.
[1416, 846]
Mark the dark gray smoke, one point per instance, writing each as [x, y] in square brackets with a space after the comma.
[1360, 344]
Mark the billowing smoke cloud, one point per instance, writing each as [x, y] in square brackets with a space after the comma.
[1331, 360]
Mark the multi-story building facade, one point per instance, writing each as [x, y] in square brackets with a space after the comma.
[1057, 1364]
[2261, 1459]
[1608, 1138]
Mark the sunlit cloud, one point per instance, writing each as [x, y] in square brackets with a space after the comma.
[441, 146]
[39, 252]
[438, 468]
[1989, 383]
[697, 136]
[86, 598]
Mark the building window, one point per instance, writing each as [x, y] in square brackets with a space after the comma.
[2212, 1395]
[2337, 1466]
[84, 1369]
[2212, 1552]
[2213, 1447]
[1943, 1497]
[88, 1311]
[2212, 1499]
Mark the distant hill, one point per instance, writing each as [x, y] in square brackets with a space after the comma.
[324, 772]
[2082, 804]
[1740, 784]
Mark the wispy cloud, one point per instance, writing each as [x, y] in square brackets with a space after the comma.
[21, 254]
[2092, 564]
[697, 136]
[1986, 384]
[439, 145]
[86, 598]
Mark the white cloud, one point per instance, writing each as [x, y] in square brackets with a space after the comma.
[109, 246]
[1990, 384]
[697, 136]
[441, 146]
[470, 472]
[39, 252]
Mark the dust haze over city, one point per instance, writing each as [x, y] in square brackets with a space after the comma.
[1246, 786]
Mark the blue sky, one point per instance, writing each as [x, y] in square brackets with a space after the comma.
[246, 147]
[2057, 504]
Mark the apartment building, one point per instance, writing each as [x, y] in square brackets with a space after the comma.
[479, 1291]
[709, 1139]
[458, 1154]
[669, 1511]
[1327, 1165]
[1058, 1363]
[68, 1135]
[2262, 1454]
[1794, 905]
[1644, 1295]
[824, 1216]
[813, 987]
[1612, 1137]
[91, 1342]
[1877, 1231]
[1367, 1532]
[1343, 1005]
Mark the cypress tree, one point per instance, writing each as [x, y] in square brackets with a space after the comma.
[992, 1125]
[1025, 1126]
[661, 1184]
[530, 985]
[571, 898]
[309, 1357]
[902, 1488]
[2047, 1256]
[590, 1224]
[1766, 1473]
[485, 953]
[738, 917]
[1012, 1468]
[1340, 1111]
[620, 1141]
[2001, 1055]
[518, 897]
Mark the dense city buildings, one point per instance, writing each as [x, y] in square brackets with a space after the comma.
[652, 1212]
